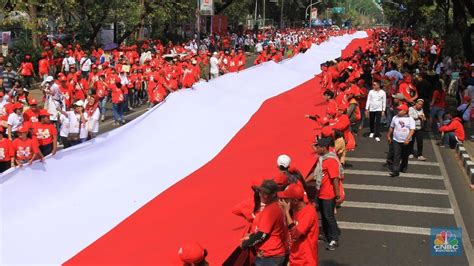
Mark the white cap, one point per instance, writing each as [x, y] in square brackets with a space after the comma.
[284, 160]
[79, 103]
[49, 79]
[472, 64]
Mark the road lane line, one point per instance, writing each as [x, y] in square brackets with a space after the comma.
[375, 160]
[396, 207]
[396, 189]
[384, 228]
[468, 250]
[382, 173]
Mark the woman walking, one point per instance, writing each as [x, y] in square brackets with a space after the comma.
[375, 107]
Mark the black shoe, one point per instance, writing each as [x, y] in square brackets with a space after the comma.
[404, 170]
[394, 174]
[322, 238]
[332, 245]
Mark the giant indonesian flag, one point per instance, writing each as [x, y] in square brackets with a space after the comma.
[133, 195]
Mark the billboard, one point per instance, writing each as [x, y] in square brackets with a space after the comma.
[314, 13]
[207, 8]
[219, 24]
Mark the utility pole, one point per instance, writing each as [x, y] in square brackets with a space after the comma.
[264, 13]
[198, 20]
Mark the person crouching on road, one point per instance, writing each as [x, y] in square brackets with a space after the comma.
[303, 226]
[192, 254]
[270, 231]
[453, 133]
[403, 128]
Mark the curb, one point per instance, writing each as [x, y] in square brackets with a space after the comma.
[467, 163]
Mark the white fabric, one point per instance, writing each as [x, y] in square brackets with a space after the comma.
[401, 127]
[53, 210]
[93, 121]
[85, 64]
[15, 121]
[376, 101]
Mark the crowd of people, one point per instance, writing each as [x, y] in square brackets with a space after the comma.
[402, 82]
[78, 85]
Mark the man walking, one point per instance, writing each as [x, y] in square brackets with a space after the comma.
[402, 128]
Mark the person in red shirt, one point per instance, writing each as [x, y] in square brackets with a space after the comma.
[303, 226]
[327, 175]
[25, 149]
[453, 133]
[117, 102]
[192, 254]
[270, 231]
[437, 105]
[31, 114]
[6, 152]
[46, 134]
[44, 66]
[27, 71]
[407, 88]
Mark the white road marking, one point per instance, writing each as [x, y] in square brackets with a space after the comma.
[382, 173]
[396, 189]
[385, 228]
[396, 207]
[375, 160]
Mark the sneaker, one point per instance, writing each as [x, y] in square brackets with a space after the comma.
[371, 135]
[102, 118]
[394, 174]
[421, 158]
[411, 156]
[377, 139]
[332, 245]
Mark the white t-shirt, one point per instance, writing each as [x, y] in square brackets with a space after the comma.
[433, 49]
[93, 121]
[415, 114]
[15, 121]
[214, 62]
[85, 64]
[68, 61]
[401, 127]
[64, 130]
[74, 125]
[376, 101]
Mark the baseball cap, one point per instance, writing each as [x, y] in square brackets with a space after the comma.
[23, 129]
[326, 132]
[284, 160]
[17, 105]
[268, 187]
[33, 102]
[331, 111]
[44, 112]
[191, 253]
[49, 79]
[293, 191]
[79, 103]
[62, 78]
[403, 107]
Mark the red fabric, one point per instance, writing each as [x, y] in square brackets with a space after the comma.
[330, 171]
[439, 99]
[304, 237]
[198, 207]
[271, 221]
[26, 69]
[24, 149]
[30, 116]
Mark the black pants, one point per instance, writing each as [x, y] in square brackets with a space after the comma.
[65, 142]
[374, 120]
[400, 156]
[46, 149]
[5, 166]
[328, 220]
[418, 137]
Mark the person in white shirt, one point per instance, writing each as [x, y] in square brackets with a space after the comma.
[64, 130]
[399, 136]
[85, 65]
[15, 120]
[68, 61]
[375, 108]
[77, 124]
[416, 112]
[92, 115]
[214, 62]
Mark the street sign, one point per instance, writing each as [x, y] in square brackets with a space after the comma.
[314, 13]
[338, 10]
[207, 7]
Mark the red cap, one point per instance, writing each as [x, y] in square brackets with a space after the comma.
[403, 107]
[44, 54]
[191, 253]
[293, 191]
[33, 102]
[118, 80]
[331, 110]
[2, 129]
[342, 85]
[17, 105]
[324, 121]
[23, 129]
[94, 66]
[2, 94]
[327, 131]
[256, 182]
[354, 91]
[467, 98]
[281, 179]
[62, 78]
[43, 112]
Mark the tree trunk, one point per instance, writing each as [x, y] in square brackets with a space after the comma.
[33, 23]
[460, 22]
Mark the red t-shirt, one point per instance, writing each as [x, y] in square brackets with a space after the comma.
[271, 221]
[304, 237]
[117, 95]
[330, 171]
[6, 150]
[439, 99]
[407, 89]
[27, 69]
[30, 116]
[44, 133]
[43, 66]
[24, 149]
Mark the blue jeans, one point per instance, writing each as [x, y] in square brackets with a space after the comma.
[450, 140]
[328, 220]
[117, 109]
[270, 261]
[102, 105]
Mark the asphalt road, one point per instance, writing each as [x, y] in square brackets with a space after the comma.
[387, 221]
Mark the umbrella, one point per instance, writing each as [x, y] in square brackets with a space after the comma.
[110, 46]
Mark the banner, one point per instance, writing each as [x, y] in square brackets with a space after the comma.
[314, 13]
[219, 24]
[207, 7]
